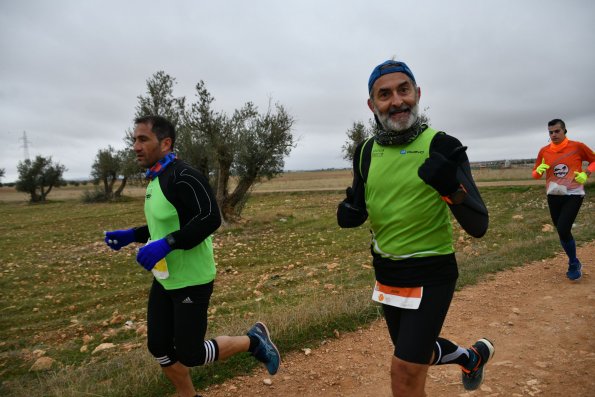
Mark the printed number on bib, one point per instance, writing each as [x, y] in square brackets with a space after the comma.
[403, 297]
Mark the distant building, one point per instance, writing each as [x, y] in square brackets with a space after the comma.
[496, 164]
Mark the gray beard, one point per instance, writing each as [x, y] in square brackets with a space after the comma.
[402, 137]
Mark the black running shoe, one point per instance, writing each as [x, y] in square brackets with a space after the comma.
[472, 378]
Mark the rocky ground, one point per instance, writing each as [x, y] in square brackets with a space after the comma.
[541, 324]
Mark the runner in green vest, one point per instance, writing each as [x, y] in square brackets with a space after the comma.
[181, 213]
[406, 179]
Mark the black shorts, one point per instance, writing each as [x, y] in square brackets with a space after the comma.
[177, 325]
[414, 332]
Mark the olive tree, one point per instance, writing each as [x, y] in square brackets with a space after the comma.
[111, 166]
[356, 135]
[234, 152]
[38, 177]
[263, 142]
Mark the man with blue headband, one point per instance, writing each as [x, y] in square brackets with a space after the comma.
[406, 179]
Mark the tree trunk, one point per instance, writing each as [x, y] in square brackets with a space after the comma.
[240, 192]
[222, 183]
[34, 195]
[227, 212]
[222, 193]
[112, 181]
[106, 187]
[44, 194]
[233, 203]
[121, 187]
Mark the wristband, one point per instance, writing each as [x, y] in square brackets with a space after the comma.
[171, 241]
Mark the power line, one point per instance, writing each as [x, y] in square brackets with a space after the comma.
[25, 145]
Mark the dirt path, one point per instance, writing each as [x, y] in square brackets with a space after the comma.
[541, 324]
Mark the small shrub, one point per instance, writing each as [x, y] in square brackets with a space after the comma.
[94, 196]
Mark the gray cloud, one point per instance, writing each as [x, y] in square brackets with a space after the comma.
[492, 73]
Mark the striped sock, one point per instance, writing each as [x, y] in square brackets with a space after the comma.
[446, 352]
[211, 351]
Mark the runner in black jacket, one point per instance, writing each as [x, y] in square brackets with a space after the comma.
[181, 213]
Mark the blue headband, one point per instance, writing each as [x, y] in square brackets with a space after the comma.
[387, 67]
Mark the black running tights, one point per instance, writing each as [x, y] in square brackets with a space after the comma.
[564, 210]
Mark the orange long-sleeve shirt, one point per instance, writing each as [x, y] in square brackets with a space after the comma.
[564, 159]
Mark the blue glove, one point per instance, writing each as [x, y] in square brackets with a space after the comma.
[150, 254]
[119, 238]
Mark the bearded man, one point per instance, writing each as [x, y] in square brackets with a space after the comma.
[406, 178]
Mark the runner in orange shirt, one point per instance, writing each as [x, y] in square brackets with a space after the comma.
[562, 162]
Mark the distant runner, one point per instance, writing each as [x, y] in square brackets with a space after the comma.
[562, 162]
[181, 214]
[406, 178]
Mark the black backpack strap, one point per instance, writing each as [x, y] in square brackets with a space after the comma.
[365, 157]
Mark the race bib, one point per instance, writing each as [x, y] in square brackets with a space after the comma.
[160, 270]
[556, 190]
[403, 297]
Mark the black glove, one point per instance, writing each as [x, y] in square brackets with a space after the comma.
[349, 214]
[349, 202]
[350, 197]
[440, 172]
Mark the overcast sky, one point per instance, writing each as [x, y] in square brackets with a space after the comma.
[492, 73]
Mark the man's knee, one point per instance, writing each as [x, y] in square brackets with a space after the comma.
[408, 379]
[163, 354]
[203, 354]
[407, 372]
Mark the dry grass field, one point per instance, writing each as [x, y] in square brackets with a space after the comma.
[63, 293]
[295, 181]
[340, 179]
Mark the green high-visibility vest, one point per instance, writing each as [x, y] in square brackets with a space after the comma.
[408, 218]
[186, 267]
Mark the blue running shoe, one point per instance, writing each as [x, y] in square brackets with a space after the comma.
[484, 351]
[574, 270]
[266, 352]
